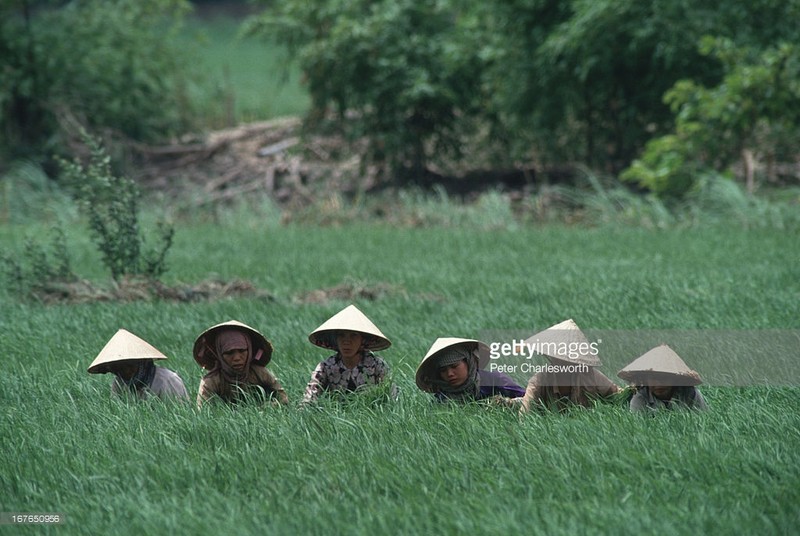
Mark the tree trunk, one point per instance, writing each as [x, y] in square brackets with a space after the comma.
[749, 170]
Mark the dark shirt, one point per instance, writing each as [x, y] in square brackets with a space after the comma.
[497, 383]
[492, 384]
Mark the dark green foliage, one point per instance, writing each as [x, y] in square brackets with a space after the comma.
[405, 72]
[754, 110]
[588, 76]
[551, 81]
[104, 64]
[531, 82]
[111, 204]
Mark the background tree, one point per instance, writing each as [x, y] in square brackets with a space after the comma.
[752, 114]
[579, 81]
[405, 72]
[104, 64]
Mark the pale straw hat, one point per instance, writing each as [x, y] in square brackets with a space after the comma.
[662, 364]
[123, 346]
[565, 342]
[349, 319]
[205, 345]
[427, 368]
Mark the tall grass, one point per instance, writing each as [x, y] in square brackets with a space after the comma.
[409, 467]
[28, 196]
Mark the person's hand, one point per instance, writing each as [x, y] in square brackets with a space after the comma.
[499, 401]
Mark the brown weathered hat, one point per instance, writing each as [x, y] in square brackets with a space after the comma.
[426, 368]
[205, 345]
[123, 346]
[349, 319]
[565, 342]
[662, 364]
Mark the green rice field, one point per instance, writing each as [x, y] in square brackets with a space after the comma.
[409, 467]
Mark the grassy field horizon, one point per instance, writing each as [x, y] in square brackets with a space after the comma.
[412, 466]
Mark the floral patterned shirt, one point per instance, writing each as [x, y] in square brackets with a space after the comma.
[333, 375]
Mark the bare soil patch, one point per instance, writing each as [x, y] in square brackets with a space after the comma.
[134, 289]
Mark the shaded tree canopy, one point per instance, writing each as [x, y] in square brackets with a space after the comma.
[552, 81]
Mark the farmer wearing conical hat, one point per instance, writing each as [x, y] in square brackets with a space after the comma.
[663, 381]
[454, 369]
[236, 356]
[130, 359]
[354, 365]
[571, 375]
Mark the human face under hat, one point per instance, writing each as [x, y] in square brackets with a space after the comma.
[455, 374]
[350, 345]
[234, 349]
[126, 369]
[660, 389]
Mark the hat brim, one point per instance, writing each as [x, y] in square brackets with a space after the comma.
[349, 319]
[643, 377]
[123, 346]
[426, 367]
[204, 348]
[108, 367]
[327, 339]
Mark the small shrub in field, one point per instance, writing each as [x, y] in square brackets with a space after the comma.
[111, 204]
[37, 268]
[667, 167]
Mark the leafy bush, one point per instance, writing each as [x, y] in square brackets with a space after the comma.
[404, 72]
[667, 167]
[550, 81]
[111, 204]
[105, 64]
[753, 112]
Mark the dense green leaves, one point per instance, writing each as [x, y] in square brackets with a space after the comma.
[107, 65]
[754, 112]
[406, 71]
[578, 81]
[517, 83]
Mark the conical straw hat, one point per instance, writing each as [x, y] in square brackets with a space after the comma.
[123, 346]
[426, 368]
[206, 344]
[565, 342]
[662, 364]
[349, 319]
